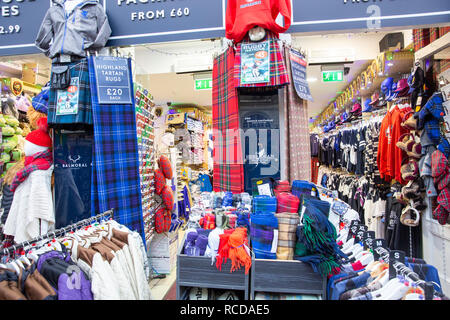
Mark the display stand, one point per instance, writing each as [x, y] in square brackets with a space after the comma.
[198, 272]
[285, 276]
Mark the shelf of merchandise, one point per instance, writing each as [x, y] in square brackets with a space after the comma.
[285, 276]
[200, 272]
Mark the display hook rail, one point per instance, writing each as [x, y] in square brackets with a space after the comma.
[59, 232]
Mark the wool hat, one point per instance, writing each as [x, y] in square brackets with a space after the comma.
[444, 147]
[168, 198]
[40, 102]
[40, 136]
[165, 166]
[367, 105]
[160, 181]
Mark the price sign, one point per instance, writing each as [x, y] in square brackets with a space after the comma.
[395, 256]
[113, 80]
[368, 238]
[378, 243]
[360, 233]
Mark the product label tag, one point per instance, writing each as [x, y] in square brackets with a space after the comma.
[67, 100]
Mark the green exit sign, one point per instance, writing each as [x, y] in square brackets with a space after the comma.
[332, 76]
[203, 84]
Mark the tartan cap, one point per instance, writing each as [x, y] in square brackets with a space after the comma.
[40, 102]
[168, 198]
[160, 181]
[165, 166]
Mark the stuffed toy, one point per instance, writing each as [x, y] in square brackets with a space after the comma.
[32, 212]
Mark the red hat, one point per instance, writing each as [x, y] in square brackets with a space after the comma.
[40, 136]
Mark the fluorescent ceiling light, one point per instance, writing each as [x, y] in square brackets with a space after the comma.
[311, 79]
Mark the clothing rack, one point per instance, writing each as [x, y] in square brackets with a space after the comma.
[406, 271]
[59, 232]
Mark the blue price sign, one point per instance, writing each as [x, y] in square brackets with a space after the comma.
[113, 80]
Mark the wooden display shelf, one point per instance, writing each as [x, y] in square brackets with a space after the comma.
[198, 272]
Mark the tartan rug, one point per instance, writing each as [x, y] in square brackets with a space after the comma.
[228, 171]
[278, 72]
[115, 174]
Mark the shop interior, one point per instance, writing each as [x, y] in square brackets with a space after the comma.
[173, 89]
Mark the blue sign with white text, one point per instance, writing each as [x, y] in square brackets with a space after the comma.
[298, 66]
[113, 80]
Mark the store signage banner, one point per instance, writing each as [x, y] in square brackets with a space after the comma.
[326, 15]
[298, 67]
[255, 62]
[113, 80]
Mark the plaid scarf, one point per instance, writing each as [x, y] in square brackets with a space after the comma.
[228, 172]
[264, 204]
[278, 73]
[115, 171]
[287, 226]
[262, 230]
[287, 202]
[38, 161]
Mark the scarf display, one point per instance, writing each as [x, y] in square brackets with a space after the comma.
[115, 170]
[278, 72]
[237, 252]
[264, 235]
[228, 171]
[189, 244]
[316, 238]
[287, 202]
[264, 204]
[38, 161]
[287, 227]
[227, 200]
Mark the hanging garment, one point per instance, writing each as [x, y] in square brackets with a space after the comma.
[9, 287]
[32, 213]
[297, 162]
[85, 28]
[115, 171]
[228, 173]
[278, 73]
[36, 287]
[243, 15]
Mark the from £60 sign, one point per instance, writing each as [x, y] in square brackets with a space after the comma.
[298, 66]
[113, 80]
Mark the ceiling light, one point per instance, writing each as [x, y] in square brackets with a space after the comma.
[311, 79]
[390, 64]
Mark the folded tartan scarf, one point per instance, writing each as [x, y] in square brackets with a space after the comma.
[287, 227]
[263, 235]
[38, 161]
[304, 188]
[287, 202]
[280, 187]
[208, 222]
[264, 204]
[316, 238]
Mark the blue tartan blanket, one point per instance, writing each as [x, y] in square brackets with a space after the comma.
[264, 235]
[115, 174]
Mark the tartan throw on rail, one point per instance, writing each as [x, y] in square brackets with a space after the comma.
[115, 171]
[228, 174]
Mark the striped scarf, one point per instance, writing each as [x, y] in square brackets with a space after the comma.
[38, 161]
